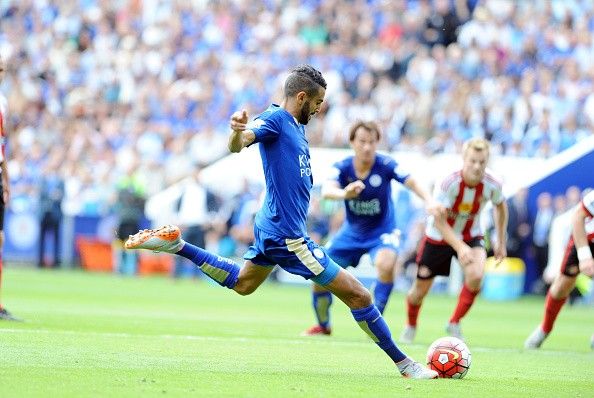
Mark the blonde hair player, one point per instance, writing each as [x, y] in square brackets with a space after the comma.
[458, 233]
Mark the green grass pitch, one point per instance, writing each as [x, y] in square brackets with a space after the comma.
[95, 335]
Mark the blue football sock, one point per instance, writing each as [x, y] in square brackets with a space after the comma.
[321, 305]
[381, 294]
[220, 269]
[372, 322]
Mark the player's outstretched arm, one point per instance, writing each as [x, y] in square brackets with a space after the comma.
[240, 136]
[580, 239]
[332, 190]
[432, 206]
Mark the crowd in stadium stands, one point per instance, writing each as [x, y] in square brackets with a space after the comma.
[126, 95]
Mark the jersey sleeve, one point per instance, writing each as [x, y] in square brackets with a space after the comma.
[443, 193]
[265, 129]
[398, 172]
[588, 203]
[497, 195]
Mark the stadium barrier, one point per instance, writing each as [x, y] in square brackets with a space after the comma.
[95, 255]
[504, 281]
[155, 263]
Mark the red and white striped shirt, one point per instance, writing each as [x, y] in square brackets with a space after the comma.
[588, 205]
[464, 205]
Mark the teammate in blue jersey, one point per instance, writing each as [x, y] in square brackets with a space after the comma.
[280, 233]
[364, 182]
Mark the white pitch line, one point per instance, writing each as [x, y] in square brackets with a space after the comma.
[296, 341]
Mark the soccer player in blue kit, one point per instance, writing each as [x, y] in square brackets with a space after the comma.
[364, 182]
[280, 231]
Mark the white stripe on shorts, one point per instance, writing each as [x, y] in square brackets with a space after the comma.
[302, 252]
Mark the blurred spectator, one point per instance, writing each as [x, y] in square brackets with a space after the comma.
[241, 221]
[560, 204]
[196, 210]
[114, 83]
[573, 194]
[540, 236]
[442, 23]
[518, 226]
[51, 194]
[130, 213]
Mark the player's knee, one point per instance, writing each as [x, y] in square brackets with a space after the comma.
[385, 270]
[355, 295]
[360, 297]
[562, 287]
[473, 280]
[415, 296]
[245, 289]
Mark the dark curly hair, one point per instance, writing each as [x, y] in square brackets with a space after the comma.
[304, 78]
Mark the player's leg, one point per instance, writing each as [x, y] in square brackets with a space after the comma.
[385, 263]
[349, 290]
[414, 301]
[4, 314]
[222, 270]
[321, 302]
[432, 260]
[556, 296]
[304, 257]
[345, 255]
[250, 277]
[473, 275]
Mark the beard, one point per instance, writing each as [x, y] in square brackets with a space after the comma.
[305, 113]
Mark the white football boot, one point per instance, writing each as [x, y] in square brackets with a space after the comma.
[164, 239]
[535, 339]
[414, 370]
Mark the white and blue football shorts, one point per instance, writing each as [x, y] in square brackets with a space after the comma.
[299, 256]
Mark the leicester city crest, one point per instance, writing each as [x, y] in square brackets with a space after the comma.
[375, 180]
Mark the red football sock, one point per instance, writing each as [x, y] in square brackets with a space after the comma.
[413, 313]
[465, 301]
[552, 308]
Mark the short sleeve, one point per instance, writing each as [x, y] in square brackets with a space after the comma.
[266, 130]
[398, 172]
[445, 192]
[497, 195]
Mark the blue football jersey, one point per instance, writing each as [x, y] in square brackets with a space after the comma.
[372, 212]
[284, 150]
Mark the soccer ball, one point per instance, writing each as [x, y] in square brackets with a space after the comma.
[449, 357]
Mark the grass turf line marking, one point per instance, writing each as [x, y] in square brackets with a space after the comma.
[296, 341]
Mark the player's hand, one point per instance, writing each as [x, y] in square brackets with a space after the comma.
[239, 120]
[465, 255]
[587, 267]
[500, 253]
[353, 190]
[435, 209]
